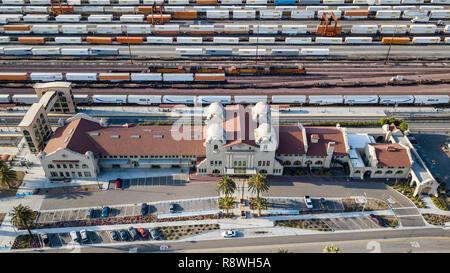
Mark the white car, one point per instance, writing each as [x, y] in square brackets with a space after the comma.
[74, 236]
[229, 234]
[308, 202]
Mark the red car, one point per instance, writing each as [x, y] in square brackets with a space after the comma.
[118, 183]
[143, 232]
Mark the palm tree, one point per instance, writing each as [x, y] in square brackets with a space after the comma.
[258, 183]
[22, 217]
[226, 186]
[7, 175]
[282, 250]
[331, 249]
[261, 204]
[226, 203]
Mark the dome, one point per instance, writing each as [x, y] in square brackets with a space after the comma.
[215, 109]
[385, 128]
[261, 109]
[215, 132]
[263, 133]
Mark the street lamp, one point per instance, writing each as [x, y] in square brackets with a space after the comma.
[364, 202]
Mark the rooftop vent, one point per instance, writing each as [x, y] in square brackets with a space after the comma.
[135, 136]
[71, 130]
[391, 149]
[94, 134]
[148, 130]
[67, 139]
[114, 136]
[158, 136]
[315, 138]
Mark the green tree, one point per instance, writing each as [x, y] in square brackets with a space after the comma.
[226, 203]
[226, 186]
[258, 183]
[261, 203]
[7, 175]
[23, 217]
[331, 249]
[282, 250]
[403, 126]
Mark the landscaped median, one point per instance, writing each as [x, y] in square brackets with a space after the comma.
[312, 224]
[435, 219]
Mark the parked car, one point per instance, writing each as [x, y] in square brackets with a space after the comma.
[229, 233]
[105, 211]
[45, 239]
[440, 23]
[308, 202]
[155, 234]
[323, 203]
[377, 219]
[89, 213]
[84, 236]
[143, 232]
[134, 233]
[74, 236]
[144, 209]
[124, 235]
[114, 235]
[118, 183]
[173, 208]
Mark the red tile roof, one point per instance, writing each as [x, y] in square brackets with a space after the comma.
[391, 155]
[239, 130]
[326, 134]
[290, 140]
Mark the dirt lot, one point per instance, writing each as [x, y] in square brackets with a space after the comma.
[5, 192]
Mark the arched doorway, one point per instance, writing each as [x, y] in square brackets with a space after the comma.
[215, 171]
[263, 171]
[379, 139]
[367, 175]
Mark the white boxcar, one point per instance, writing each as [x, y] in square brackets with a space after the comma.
[45, 29]
[298, 40]
[336, 13]
[377, 8]
[431, 99]
[294, 29]
[81, 99]
[68, 40]
[109, 99]
[244, 14]
[68, 18]
[46, 77]
[447, 29]
[211, 99]
[11, 9]
[333, 2]
[358, 40]
[316, 8]
[17, 51]
[344, 8]
[388, 14]
[203, 8]
[396, 99]
[265, 29]
[233, 29]
[256, 2]
[315, 51]
[144, 99]
[409, 14]
[4, 39]
[270, 14]
[426, 40]
[431, 7]
[196, 28]
[178, 77]
[391, 29]
[139, 77]
[364, 29]
[13, 2]
[132, 18]
[123, 9]
[418, 28]
[261, 40]
[88, 9]
[25, 99]
[249, 99]
[4, 98]
[12, 17]
[361, 99]
[251, 52]
[217, 14]
[387, 2]
[328, 40]
[138, 29]
[325, 99]
[109, 29]
[189, 51]
[81, 76]
[97, 18]
[99, 2]
[231, 2]
[302, 14]
[413, 1]
[46, 51]
[295, 99]
[75, 51]
[178, 2]
[71, 29]
[405, 8]
[35, 18]
[128, 2]
[440, 14]
[159, 40]
[178, 99]
[189, 40]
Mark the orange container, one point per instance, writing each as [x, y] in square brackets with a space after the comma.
[395, 40]
[99, 40]
[206, 2]
[31, 40]
[148, 9]
[16, 27]
[209, 77]
[131, 40]
[64, 8]
[165, 17]
[356, 13]
[186, 15]
[320, 28]
[14, 76]
[113, 76]
[194, 32]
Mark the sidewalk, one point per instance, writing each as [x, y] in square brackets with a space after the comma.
[431, 207]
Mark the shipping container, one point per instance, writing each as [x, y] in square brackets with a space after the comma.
[40, 2]
[394, 40]
[5, 98]
[377, 8]
[413, 1]
[74, 2]
[361, 99]
[302, 14]
[16, 29]
[422, 29]
[114, 76]
[261, 40]
[202, 8]
[4, 39]
[405, 8]
[99, 40]
[166, 29]
[440, 14]
[251, 52]
[409, 14]
[97, 18]
[387, 2]
[201, 29]
[270, 14]
[144, 99]
[122, 9]
[189, 40]
[151, 2]
[81, 76]
[129, 2]
[250, 99]
[138, 29]
[431, 99]
[13, 2]
[129, 40]
[109, 29]
[135, 18]
[333, 2]
[296, 99]
[431, 8]
[11, 9]
[391, 29]
[35, 18]
[137, 77]
[236, 29]
[15, 76]
[426, 40]
[189, 51]
[12, 18]
[244, 14]
[328, 40]
[211, 99]
[447, 29]
[17, 51]
[46, 51]
[219, 51]
[285, 52]
[345, 8]
[206, 2]
[265, 29]
[179, 99]
[185, 15]
[217, 14]
[75, 51]
[104, 51]
[285, 2]
[231, 2]
[109, 99]
[316, 8]
[165, 18]
[31, 40]
[396, 99]
[256, 2]
[68, 18]
[25, 99]
[45, 29]
[68, 40]
[358, 40]
[81, 99]
[178, 2]
[325, 99]
[159, 40]
[206, 77]
[46, 77]
[315, 51]
[294, 29]
[364, 29]
[74, 29]
[298, 40]
[336, 13]
[388, 14]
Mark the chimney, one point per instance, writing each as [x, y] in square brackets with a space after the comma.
[305, 140]
[315, 138]
[330, 148]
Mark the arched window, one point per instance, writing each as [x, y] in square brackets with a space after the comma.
[378, 172]
[287, 163]
[389, 172]
[357, 171]
[216, 147]
[309, 162]
[84, 166]
[297, 163]
[318, 162]
[399, 172]
[50, 166]
[215, 171]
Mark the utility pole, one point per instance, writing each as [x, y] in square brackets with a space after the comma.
[390, 45]
[129, 48]
[257, 42]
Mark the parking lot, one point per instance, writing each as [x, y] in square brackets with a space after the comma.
[351, 223]
[190, 205]
[147, 183]
[331, 204]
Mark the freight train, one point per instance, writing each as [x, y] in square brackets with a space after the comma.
[444, 100]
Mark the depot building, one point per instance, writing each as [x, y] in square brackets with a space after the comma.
[235, 140]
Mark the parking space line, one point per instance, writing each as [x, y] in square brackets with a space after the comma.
[336, 224]
[362, 222]
[78, 214]
[354, 222]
